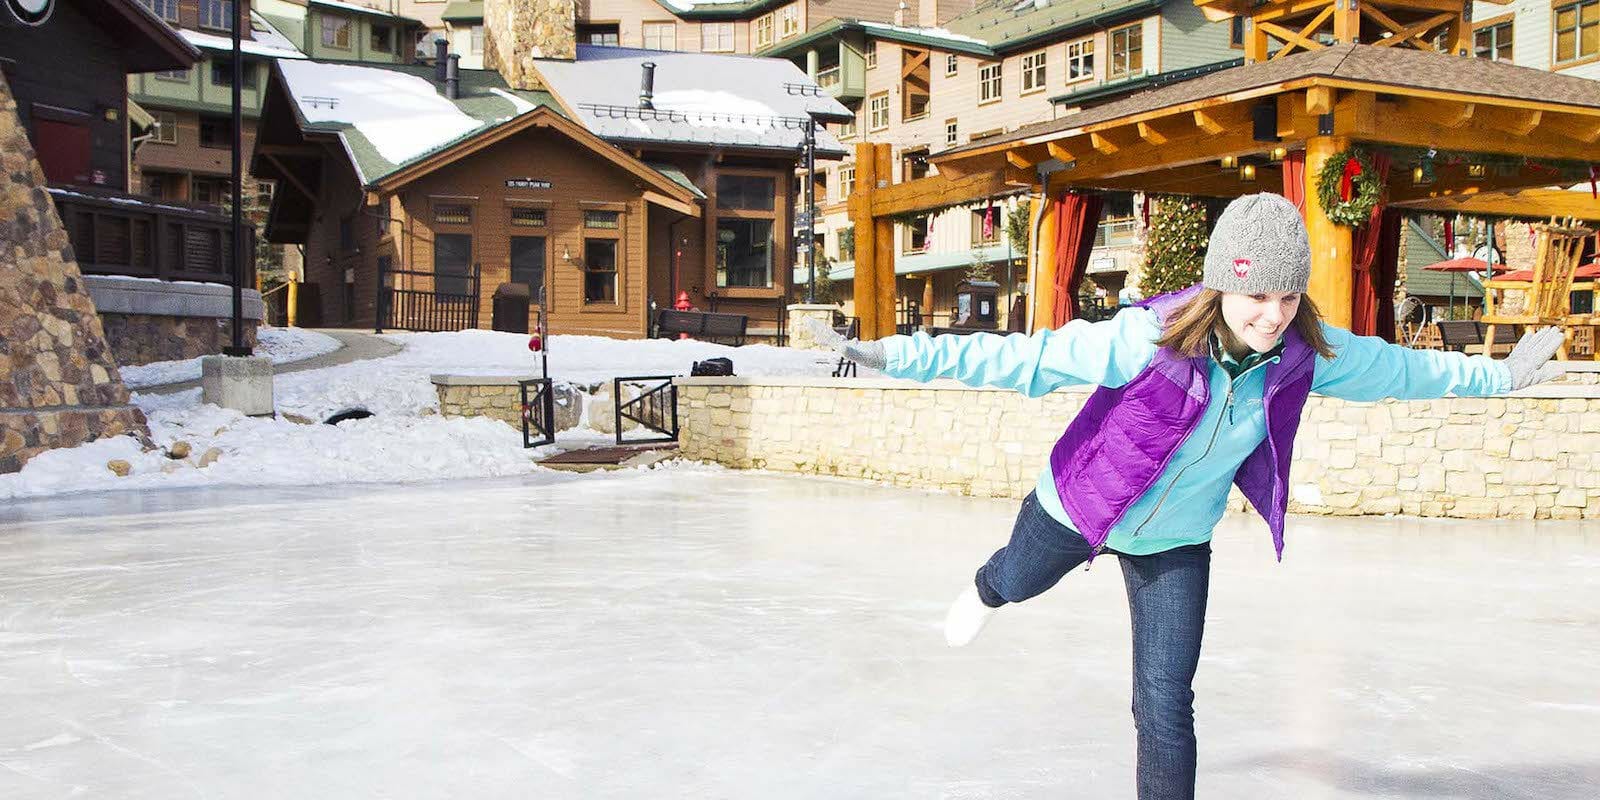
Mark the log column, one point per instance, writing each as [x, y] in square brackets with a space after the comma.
[865, 288]
[1332, 273]
[1042, 260]
[883, 237]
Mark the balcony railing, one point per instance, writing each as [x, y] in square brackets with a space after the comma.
[1115, 232]
[121, 234]
[828, 78]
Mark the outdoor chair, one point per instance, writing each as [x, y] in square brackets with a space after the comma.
[1548, 296]
[701, 325]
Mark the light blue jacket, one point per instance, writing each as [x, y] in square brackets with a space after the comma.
[1191, 495]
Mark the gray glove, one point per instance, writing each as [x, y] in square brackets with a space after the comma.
[867, 354]
[1530, 362]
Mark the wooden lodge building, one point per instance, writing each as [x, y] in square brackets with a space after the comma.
[612, 182]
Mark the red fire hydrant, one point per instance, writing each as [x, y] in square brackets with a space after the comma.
[683, 304]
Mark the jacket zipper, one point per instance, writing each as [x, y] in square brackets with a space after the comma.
[1228, 406]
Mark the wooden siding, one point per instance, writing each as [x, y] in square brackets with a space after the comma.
[1533, 35]
[1188, 40]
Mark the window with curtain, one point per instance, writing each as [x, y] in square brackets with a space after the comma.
[216, 14]
[1127, 51]
[1577, 31]
[335, 31]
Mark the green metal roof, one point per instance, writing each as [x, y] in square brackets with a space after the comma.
[676, 175]
[1422, 250]
[463, 11]
[1006, 27]
[935, 38]
[1116, 88]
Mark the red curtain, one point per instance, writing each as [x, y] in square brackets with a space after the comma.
[1364, 251]
[1294, 179]
[1077, 219]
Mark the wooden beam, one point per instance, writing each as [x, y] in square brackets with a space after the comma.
[1515, 121]
[1319, 100]
[911, 66]
[1526, 203]
[1416, 31]
[1293, 39]
[288, 175]
[687, 209]
[1059, 151]
[1150, 133]
[1332, 272]
[937, 191]
[1206, 121]
[1585, 129]
[1476, 135]
[1103, 142]
[1018, 160]
[865, 286]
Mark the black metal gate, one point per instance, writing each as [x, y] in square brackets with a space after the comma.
[538, 412]
[656, 407]
[451, 305]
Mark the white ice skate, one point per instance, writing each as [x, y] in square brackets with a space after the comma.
[966, 618]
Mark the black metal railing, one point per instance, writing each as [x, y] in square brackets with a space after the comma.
[655, 409]
[538, 412]
[114, 233]
[448, 301]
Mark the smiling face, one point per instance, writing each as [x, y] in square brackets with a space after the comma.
[1259, 320]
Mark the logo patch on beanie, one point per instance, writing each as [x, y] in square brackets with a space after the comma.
[1241, 267]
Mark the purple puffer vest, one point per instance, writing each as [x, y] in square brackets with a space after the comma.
[1123, 439]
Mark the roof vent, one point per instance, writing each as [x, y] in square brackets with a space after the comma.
[441, 52]
[647, 85]
[452, 77]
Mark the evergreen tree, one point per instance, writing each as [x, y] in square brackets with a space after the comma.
[1175, 249]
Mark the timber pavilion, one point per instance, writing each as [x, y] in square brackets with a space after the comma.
[1439, 131]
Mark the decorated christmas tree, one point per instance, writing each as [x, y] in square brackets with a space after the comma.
[1175, 251]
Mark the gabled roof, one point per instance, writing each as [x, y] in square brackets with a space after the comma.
[1350, 65]
[936, 38]
[704, 99]
[148, 43]
[343, 5]
[390, 116]
[266, 41]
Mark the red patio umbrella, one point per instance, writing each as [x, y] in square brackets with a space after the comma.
[1584, 273]
[1464, 264]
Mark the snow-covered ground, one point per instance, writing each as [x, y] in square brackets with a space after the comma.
[406, 440]
[282, 345]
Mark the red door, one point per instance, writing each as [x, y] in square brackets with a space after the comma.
[63, 149]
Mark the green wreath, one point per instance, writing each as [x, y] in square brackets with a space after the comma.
[1351, 203]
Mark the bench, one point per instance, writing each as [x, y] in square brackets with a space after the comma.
[1459, 334]
[701, 325]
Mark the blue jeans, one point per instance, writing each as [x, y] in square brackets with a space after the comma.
[1167, 605]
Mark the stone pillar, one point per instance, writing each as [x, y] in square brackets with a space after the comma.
[799, 334]
[516, 32]
[1332, 272]
[59, 385]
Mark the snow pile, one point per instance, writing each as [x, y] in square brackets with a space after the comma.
[403, 116]
[282, 345]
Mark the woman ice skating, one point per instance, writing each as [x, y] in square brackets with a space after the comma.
[1199, 390]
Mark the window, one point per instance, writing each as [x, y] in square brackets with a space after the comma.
[216, 132]
[607, 220]
[746, 192]
[848, 129]
[524, 217]
[216, 14]
[158, 184]
[660, 36]
[222, 73]
[209, 191]
[788, 20]
[988, 83]
[600, 270]
[716, 37]
[477, 40]
[1577, 31]
[761, 31]
[952, 65]
[1236, 32]
[382, 39]
[872, 55]
[916, 83]
[605, 35]
[1033, 72]
[744, 253]
[1493, 42]
[1127, 51]
[527, 262]
[347, 234]
[914, 164]
[178, 75]
[166, 130]
[986, 225]
[335, 31]
[165, 9]
[952, 133]
[878, 112]
[1080, 60]
[847, 244]
[452, 264]
[847, 181]
[452, 214]
[917, 234]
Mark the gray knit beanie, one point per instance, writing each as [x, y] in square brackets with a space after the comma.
[1259, 245]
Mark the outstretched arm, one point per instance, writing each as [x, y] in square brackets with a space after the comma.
[1107, 353]
[1366, 368]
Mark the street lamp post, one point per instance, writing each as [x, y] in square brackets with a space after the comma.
[809, 152]
[238, 348]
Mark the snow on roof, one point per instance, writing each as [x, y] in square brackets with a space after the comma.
[267, 35]
[690, 5]
[700, 98]
[935, 33]
[389, 116]
[266, 47]
[340, 4]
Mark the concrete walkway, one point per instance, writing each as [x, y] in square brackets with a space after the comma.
[357, 346]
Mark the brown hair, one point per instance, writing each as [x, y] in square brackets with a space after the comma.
[1188, 331]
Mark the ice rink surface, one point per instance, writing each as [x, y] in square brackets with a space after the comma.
[707, 634]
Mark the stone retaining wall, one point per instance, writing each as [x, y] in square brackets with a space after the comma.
[1535, 455]
[147, 320]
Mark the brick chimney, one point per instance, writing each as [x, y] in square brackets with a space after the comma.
[515, 32]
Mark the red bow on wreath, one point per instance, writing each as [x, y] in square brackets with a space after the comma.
[1352, 168]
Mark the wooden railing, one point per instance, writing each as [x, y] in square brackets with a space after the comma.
[122, 234]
